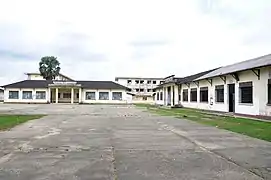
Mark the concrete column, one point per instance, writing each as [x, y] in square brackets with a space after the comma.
[72, 94]
[176, 91]
[56, 95]
[49, 95]
[171, 95]
[80, 95]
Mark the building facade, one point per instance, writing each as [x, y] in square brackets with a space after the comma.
[64, 90]
[1, 94]
[142, 89]
[242, 88]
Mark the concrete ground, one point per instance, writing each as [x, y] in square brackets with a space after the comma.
[96, 142]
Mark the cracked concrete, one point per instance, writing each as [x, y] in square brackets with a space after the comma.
[82, 142]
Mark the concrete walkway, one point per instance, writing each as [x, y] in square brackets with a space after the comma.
[81, 142]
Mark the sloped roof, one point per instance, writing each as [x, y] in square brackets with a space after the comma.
[59, 74]
[241, 66]
[194, 76]
[29, 84]
[84, 84]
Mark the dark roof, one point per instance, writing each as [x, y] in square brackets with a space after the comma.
[241, 66]
[84, 84]
[101, 85]
[194, 76]
[29, 84]
[138, 78]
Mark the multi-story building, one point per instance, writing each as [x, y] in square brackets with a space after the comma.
[142, 89]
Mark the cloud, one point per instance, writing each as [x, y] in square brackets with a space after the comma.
[130, 38]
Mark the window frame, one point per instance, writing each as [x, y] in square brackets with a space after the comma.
[38, 92]
[117, 99]
[105, 93]
[184, 96]
[269, 92]
[219, 88]
[203, 90]
[245, 86]
[9, 93]
[91, 98]
[193, 90]
[30, 92]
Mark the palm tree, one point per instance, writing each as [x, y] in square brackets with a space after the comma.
[49, 67]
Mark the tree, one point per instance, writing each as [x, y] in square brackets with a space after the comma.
[49, 67]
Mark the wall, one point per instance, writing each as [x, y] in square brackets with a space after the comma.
[258, 107]
[1, 95]
[159, 101]
[166, 96]
[20, 100]
[125, 97]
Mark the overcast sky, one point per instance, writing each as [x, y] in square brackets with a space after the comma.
[101, 39]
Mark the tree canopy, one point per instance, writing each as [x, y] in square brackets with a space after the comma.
[49, 67]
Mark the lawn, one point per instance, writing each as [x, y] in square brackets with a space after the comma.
[246, 126]
[9, 121]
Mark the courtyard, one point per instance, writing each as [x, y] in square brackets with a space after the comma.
[122, 142]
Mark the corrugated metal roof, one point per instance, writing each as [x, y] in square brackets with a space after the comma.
[241, 66]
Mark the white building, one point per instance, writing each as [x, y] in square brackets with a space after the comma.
[141, 88]
[242, 88]
[64, 90]
[1, 94]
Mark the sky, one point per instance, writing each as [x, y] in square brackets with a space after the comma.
[99, 40]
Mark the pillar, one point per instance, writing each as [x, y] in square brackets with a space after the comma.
[171, 95]
[56, 95]
[80, 95]
[72, 94]
[49, 95]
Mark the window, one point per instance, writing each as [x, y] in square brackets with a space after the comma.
[59, 95]
[145, 98]
[90, 96]
[269, 91]
[149, 90]
[103, 95]
[13, 95]
[148, 82]
[77, 95]
[219, 93]
[27, 94]
[157, 96]
[40, 95]
[141, 81]
[137, 81]
[66, 95]
[137, 90]
[246, 92]
[193, 95]
[161, 82]
[117, 96]
[153, 82]
[185, 95]
[204, 94]
[161, 95]
[141, 90]
[129, 81]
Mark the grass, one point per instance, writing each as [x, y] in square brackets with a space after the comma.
[9, 121]
[246, 126]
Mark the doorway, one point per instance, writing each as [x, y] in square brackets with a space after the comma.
[173, 98]
[168, 96]
[231, 90]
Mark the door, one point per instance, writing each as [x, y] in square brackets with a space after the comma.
[231, 90]
[173, 98]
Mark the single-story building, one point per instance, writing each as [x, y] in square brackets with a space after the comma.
[1, 94]
[243, 88]
[64, 90]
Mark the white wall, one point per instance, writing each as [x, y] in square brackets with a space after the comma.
[21, 100]
[1, 95]
[258, 107]
[125, 97]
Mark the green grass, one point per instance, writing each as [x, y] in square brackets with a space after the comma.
[246, 126]
[9, 121]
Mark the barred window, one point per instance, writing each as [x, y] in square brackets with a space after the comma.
[246, 92]
[40, 95]
[27, 94]
[219, 93]
[193, 95]
[117, 96]
[13, 95]
[185, 95]
[103, 95]
[204, 94]
[90, 96]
